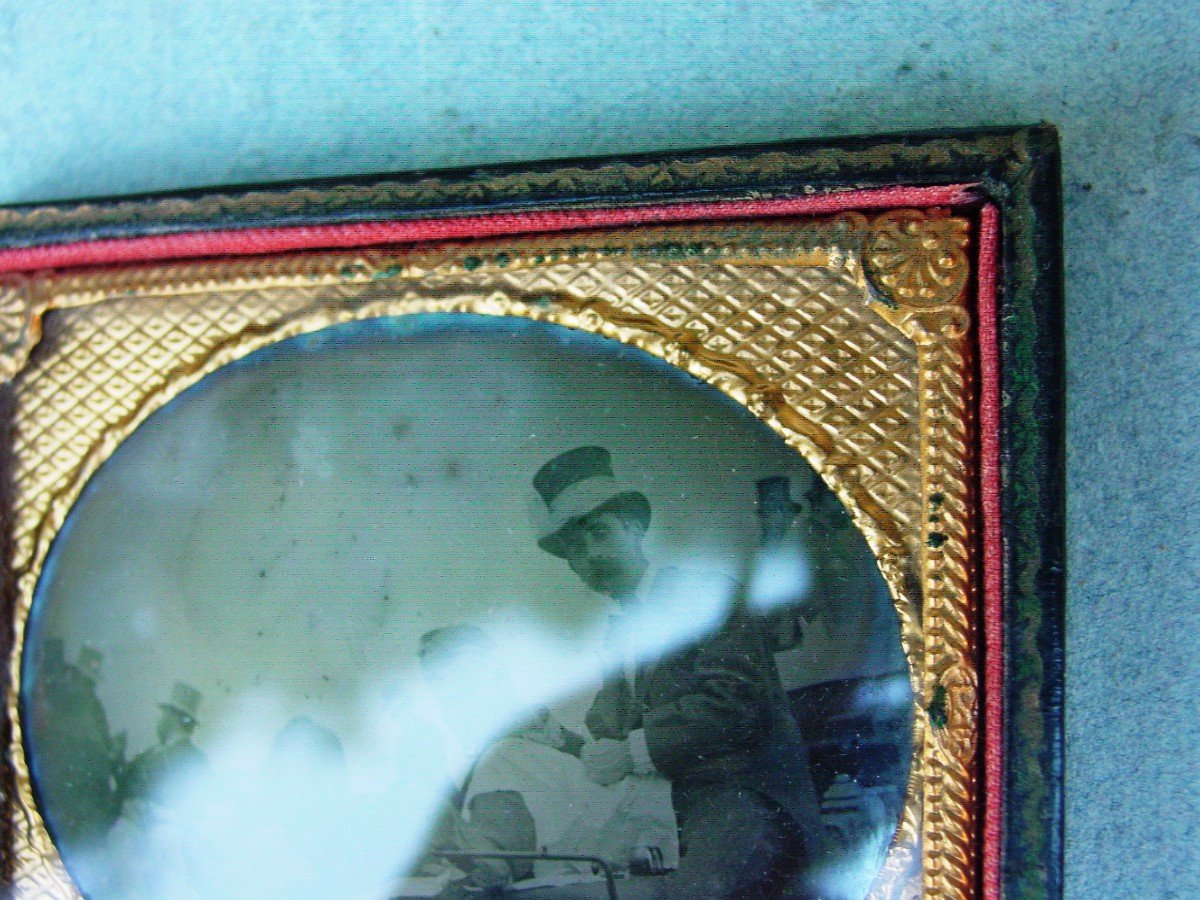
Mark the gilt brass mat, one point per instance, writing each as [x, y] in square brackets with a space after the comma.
[848, 336]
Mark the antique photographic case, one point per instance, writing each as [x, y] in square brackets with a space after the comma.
[680, 525]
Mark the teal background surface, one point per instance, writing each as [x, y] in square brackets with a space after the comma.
[107, 98]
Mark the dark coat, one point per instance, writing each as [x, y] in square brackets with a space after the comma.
[76, 762]
[714, 713]
[161, 765]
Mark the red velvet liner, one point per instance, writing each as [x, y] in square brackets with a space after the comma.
[993, 551]
[247, 241]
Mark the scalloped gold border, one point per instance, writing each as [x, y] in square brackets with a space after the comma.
[896, 279]
[619, 177]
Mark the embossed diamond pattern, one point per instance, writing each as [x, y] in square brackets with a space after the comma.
[795, 326]
[107, 358]
[804, 330]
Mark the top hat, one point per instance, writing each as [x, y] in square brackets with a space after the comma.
[576, 484]
[185, 700]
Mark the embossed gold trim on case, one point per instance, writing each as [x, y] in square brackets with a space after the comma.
[847, 336]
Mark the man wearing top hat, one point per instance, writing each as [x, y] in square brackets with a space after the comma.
[76, 766]
[175, 756]
[711, 717]
[149, 853]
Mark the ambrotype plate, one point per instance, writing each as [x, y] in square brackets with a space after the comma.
[639, 528]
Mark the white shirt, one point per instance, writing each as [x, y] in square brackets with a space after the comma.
[571, 813]
[618, 618]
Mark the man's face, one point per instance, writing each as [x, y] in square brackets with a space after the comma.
[605, 551]
[471, 690]
[458, 675]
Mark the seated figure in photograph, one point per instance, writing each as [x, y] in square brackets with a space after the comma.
[150, 855]
[710, 716]
[528, 792]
